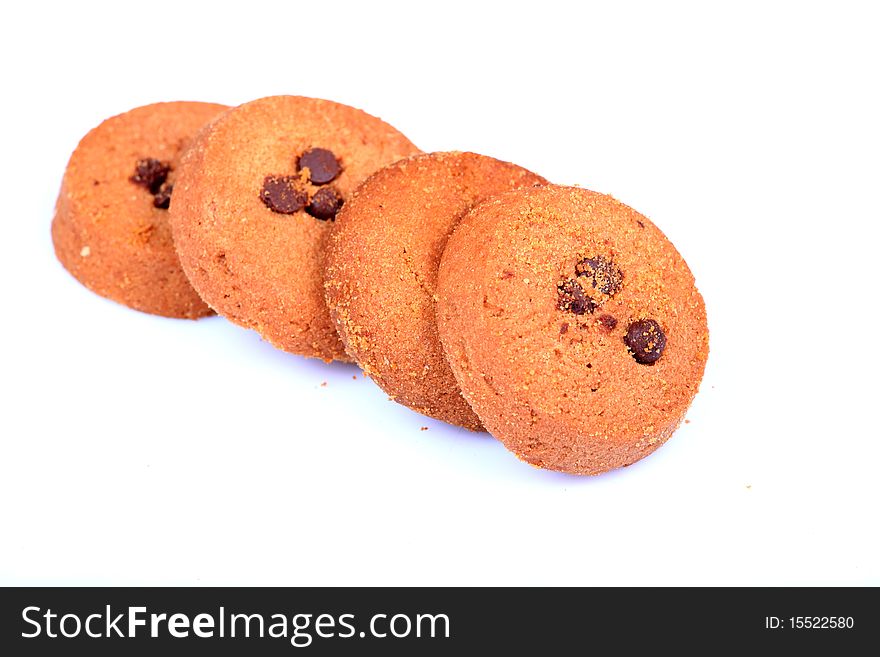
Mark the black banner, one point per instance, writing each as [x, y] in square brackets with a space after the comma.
[114, 621]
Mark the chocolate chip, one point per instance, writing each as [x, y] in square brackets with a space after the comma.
[151, 173]
[322, 165]
[573, 299]
[162, 198]
[325, 204]
[640, 223]
[604, 274]
[608, 322]
[563, 328]
[646, 341]
[283, 195]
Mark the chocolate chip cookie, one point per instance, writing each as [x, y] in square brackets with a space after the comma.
[111, 228]
[254, 202]
[381, 271]
[573, 327]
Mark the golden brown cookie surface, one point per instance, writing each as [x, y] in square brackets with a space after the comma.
[256, 199]
[111, 228]
[573, 327]
[381, 271]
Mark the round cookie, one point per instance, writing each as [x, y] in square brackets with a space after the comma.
[381, 272]
[111, 228]
[573, 327]
[255, 200]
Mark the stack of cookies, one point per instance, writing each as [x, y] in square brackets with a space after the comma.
[469, 289]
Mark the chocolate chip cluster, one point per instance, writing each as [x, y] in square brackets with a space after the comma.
[596, 280]
[153, 174]
[287, 194]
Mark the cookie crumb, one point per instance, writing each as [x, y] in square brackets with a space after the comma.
[748, 486]
[354, 377]
[86, 251]
[323, 384]
[423, 429]
[687, 421]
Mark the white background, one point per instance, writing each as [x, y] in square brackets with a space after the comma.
[141, 450]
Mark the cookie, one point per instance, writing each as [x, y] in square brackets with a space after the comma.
[111, 228]
[573, 327]
[381, 272]
[255, 201]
